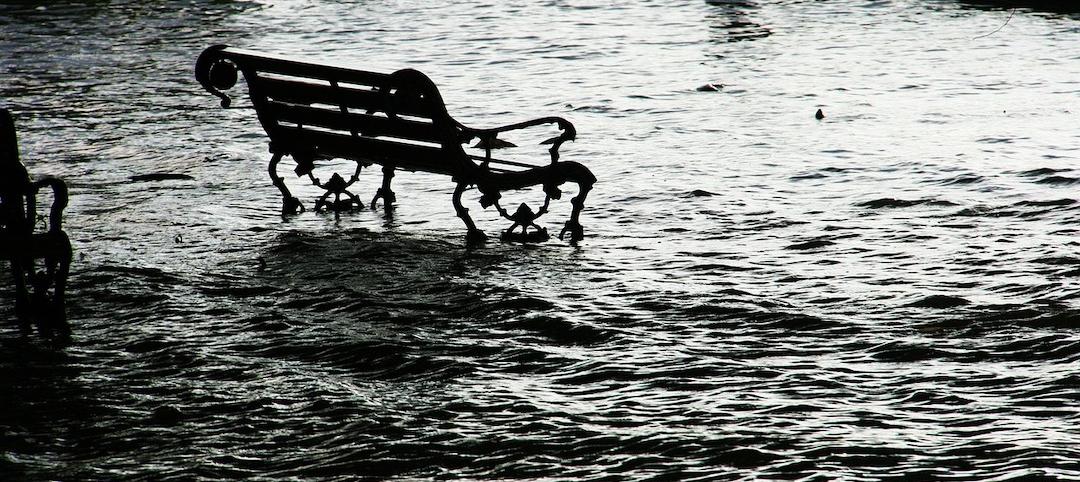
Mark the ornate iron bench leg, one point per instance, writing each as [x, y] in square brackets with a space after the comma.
[384, 192]
[474, 236]
[322, 201]
[573, 226]
[289, 203]
[337, 186]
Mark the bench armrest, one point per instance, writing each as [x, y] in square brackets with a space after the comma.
[486, 136]
[60, 200]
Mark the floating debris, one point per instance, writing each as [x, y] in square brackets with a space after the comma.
[167, 415]
[161, 176]
[940, 301]
[817, 243]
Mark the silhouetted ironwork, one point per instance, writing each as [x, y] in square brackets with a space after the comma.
[39, 293]
[315, 112]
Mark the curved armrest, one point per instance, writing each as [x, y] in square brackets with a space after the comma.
[60, 200]
[487, 135]
[216, 73]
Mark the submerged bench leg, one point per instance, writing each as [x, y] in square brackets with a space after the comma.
[48, 309]
[573, 226]
[57, 316]
[22, 295]
[34, 304]
[384, 192]
[474, 235]
[289, 203]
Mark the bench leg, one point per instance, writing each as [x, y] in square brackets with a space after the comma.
[57, 317]
[474, 235]
[22, 295]
[34, 304]
[573, 226]
[289, 203]
[385, 192]
[42, 306]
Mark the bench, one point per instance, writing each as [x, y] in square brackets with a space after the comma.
[315, 112]
[39, 293]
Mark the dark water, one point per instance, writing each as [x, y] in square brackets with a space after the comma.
[887, 293]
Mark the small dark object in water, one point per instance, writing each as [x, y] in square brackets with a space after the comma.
[160, 176]
[889, 202]
[701, 193]
[39, 289]
[710, 88]
[262, 263]
[167, 415]
[819, 115]
[817, 243]
[396, 120]
[940, 301]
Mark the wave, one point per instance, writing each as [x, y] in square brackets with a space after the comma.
[887, 203]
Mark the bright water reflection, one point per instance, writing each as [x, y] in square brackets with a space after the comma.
[887, 292]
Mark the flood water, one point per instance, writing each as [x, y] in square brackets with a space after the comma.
[889, 292]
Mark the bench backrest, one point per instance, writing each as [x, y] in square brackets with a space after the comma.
[14, 179]
[313, 110]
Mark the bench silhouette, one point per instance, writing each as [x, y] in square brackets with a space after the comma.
[314, 112]
[39, 294]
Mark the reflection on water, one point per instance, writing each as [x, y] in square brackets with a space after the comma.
[733, 22]
[888, 292]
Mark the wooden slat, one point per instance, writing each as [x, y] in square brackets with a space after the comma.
[297, 91]
[359, 123]
[405, 156]
[264, 63]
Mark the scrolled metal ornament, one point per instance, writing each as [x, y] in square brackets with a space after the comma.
[337, 186]
[525, 218]
[216, 73]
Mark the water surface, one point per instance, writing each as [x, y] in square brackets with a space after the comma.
[888, 292]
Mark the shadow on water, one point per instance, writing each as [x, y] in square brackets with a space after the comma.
[314, 265]
[348, 335]
[358, 276]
